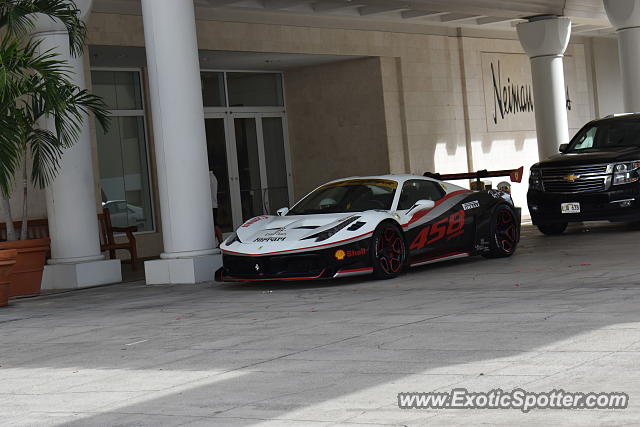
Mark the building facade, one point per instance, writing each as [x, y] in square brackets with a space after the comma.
[278, 103]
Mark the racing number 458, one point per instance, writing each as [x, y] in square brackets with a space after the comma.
[449, 227]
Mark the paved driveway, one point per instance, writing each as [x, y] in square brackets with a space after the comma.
[563, 313]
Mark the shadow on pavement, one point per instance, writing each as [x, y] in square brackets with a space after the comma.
[559, 314]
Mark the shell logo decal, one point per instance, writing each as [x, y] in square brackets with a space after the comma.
[340, 254]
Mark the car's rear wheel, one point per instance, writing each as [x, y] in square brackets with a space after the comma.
[552, 229]
[504, 233]
[388, 251]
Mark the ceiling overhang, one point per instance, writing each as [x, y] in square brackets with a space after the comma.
[588, 16]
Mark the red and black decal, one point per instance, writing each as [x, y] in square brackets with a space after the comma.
[420, 214]
[447, 228]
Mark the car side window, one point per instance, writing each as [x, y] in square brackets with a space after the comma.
[419, 189]
[586, 140]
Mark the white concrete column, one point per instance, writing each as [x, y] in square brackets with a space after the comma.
[180, 144]
[545, 40]
[625, 17]
[76, 260]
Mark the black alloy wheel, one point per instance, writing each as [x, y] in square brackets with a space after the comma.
[389, 253]
[504, 233]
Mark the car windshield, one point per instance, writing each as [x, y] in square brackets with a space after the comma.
[354, 195]
[607, 134]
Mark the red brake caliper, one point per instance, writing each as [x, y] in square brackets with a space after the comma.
[394, 250]
[508, 232]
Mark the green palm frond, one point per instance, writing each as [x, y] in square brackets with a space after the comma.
[36, 87]
[17, 18]
[23, 71]
[66, 106]
[11, 150]
[46, 153]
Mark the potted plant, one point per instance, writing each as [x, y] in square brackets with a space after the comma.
[34, 86]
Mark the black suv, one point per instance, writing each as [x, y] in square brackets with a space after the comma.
[594, 178]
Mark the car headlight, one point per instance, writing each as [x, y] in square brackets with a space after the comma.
[535, 180]
[324, 235]
[625, 173]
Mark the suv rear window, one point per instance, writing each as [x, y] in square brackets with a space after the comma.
[607, 134]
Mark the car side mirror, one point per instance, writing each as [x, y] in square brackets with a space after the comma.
[422, 205]
[563, 148]
[282, 211]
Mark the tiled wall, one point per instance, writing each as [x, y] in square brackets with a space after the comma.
[420, 75]
[337, 124]
[506, 150]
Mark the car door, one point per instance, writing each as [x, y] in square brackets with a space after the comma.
[438, 232]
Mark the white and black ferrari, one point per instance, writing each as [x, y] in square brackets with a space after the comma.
[372, 225]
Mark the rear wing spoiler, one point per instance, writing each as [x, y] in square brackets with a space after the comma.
[515, 175]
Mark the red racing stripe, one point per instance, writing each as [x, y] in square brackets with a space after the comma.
[271, 279]
[442, 257]
[355, 270]
[416, 216]
[299, 249]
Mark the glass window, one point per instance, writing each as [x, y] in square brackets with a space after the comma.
[586, 139]
[354, 195]
[121, 90]
[255, 89]
[217, 155]
[248, 167]
[418, 189]
[122, 153]
[213, 89]
[606, 134]
[275, 159]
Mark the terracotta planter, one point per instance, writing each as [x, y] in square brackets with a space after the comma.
[7, 261]
[26, 276]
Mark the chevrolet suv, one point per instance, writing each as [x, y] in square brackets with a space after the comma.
[595, 177]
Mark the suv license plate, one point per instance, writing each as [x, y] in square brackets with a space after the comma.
[569, 208]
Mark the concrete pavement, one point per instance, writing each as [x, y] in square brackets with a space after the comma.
[562, 313]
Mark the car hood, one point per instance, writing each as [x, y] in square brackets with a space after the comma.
[620, 154]
[278, 229]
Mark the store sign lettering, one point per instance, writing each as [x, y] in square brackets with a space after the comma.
[510, 98]
[509, 102]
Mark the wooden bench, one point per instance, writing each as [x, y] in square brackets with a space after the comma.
[39, 228]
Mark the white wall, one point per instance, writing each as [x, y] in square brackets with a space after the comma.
[606, 67]
[510, 141]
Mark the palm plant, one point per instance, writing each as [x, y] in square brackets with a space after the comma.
[35, 86]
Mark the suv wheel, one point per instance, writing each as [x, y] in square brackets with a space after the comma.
[552, 229]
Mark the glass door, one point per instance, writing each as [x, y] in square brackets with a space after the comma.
[250, 166]
[219, 162]
[276, 162]
[255, 179]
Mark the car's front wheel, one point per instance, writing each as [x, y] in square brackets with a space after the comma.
[388, 251]
[552, 229]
